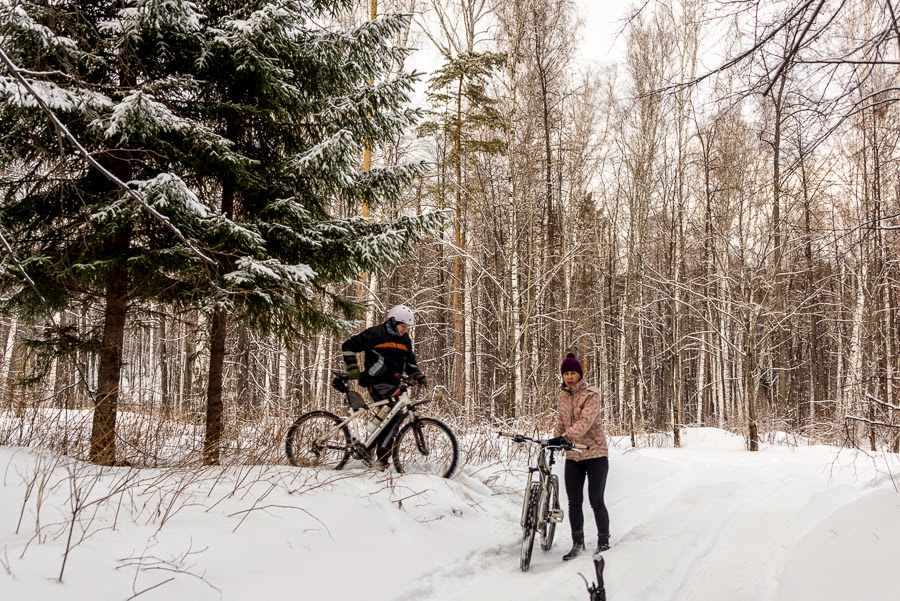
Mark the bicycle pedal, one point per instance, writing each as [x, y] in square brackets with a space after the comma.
[557, 515]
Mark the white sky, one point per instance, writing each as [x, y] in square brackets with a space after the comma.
[602, 21]
[707, 522]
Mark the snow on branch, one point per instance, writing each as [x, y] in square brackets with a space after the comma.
[15, 18]
[269, 273]
[153, 16]
[36, 94]
[877, 401]
[871, 422]
[167, 190]
[336, 155]
[140, 112]
[64, 131]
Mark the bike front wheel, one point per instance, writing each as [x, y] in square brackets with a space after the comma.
[549, 506]
[531, 518]
[317, 439]
[426, 446]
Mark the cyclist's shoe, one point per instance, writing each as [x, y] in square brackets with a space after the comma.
[577, 549]
[602, 545]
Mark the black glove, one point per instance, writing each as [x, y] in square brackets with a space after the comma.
[353, 371]
[556, 442]
[420, 379]
[340, 384]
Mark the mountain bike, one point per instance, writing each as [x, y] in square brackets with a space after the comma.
[540, 508]
[422, 444]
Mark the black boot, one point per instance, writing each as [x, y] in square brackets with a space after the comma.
[577, 546]
[602, 545]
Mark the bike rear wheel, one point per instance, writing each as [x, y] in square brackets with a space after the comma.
[426, 446]
[530, 527]
[317, 439]
[551, 502]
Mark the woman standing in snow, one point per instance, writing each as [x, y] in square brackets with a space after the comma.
[579, 421]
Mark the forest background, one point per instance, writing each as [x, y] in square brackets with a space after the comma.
[708, 222]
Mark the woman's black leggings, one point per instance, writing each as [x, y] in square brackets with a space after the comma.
[595, 470]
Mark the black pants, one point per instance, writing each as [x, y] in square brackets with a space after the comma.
[379, 392]
[595, 470]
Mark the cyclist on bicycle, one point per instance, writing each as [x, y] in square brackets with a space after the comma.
[388, 353]
[579, 421]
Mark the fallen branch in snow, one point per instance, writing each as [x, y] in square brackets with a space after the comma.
[150, 588]
[147, 563]
[399, 502]
[247, 512]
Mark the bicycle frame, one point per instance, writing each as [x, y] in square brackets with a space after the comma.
[404, 438]
[402, 404]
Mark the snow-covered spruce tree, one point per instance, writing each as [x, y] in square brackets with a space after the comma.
[214, 113]
[77, 234]
[296, 99]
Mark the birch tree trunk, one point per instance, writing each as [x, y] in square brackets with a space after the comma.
[6, 367]
[164, 386]
[514, 25]
[855, 377]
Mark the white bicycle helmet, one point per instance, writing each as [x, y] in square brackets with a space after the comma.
[402, 314]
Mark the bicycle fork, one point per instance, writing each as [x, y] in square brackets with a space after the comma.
[421, 443]
[554, 514]
[525, 504]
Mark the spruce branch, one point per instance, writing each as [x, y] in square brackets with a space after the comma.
[64, 131]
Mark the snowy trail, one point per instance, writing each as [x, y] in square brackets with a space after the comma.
[707, 527]
[708, 522]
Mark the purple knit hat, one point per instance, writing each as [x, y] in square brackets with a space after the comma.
[570, 363]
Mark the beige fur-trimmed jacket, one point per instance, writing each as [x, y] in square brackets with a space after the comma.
[579, 420]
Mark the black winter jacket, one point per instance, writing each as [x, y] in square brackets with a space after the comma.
[386, 353]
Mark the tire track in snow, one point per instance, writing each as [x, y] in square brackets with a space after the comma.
[689, 522]
[495, 573]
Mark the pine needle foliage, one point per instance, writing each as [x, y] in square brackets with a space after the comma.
[300, 101]
[242, 123]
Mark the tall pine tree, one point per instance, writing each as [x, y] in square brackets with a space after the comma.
[299, 101]
[77, 233]
[236, 127]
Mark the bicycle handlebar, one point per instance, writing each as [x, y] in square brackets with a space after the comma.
[406, 382]
[405, 379]
[544, 442]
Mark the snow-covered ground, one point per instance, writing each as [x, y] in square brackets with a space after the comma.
[706, 522]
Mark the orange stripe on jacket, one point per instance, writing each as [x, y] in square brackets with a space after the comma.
[402, 347]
